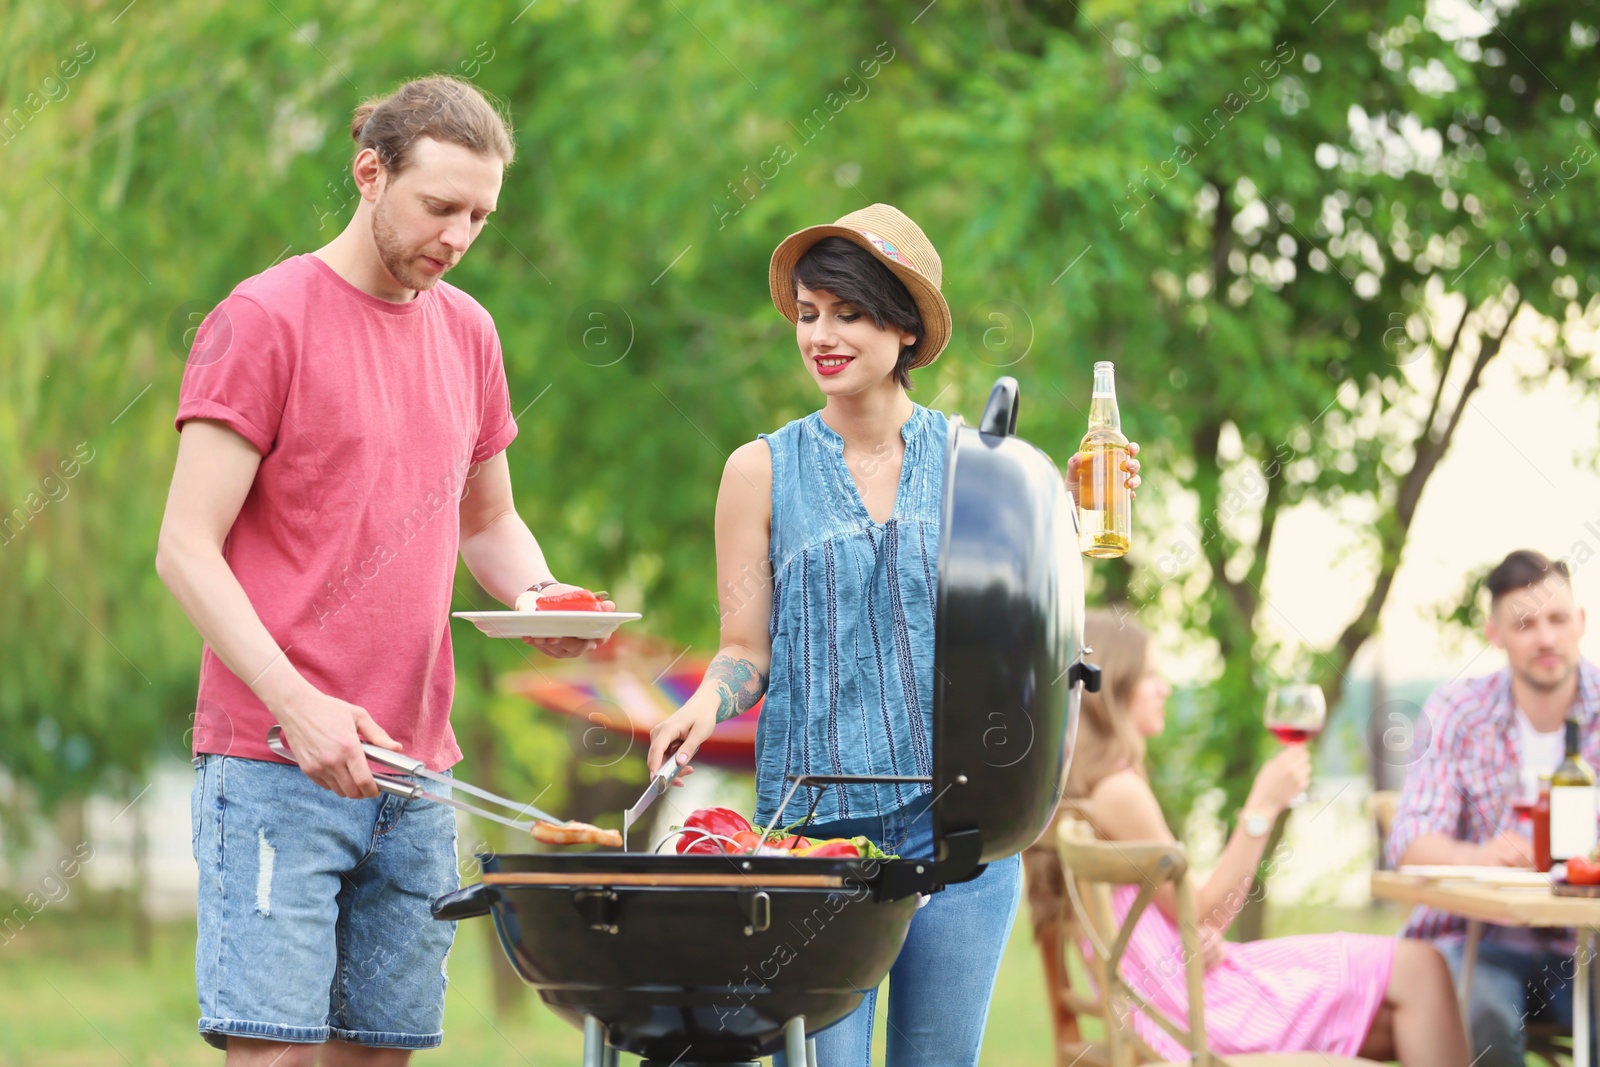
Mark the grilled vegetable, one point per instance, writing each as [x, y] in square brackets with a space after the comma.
[872, 851]
[715, 831]
[846, 846]
[790, 843]
[704, 826]
[571, 600]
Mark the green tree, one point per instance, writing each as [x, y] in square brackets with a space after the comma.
[1272, 218]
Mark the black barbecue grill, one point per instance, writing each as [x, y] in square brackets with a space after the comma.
[693, 959]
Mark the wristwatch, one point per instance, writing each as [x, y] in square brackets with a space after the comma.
[1254, 823]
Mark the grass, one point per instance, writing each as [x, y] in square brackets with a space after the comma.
[73, 994]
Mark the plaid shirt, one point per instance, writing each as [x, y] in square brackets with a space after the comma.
[1463, 784]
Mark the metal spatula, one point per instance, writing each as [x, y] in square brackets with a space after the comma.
[658, 785]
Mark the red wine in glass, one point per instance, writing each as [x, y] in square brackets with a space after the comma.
[1296, 713]
[1524, 799]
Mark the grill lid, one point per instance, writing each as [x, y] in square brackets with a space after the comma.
[1009, 642]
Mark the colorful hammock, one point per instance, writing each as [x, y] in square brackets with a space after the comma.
[626, 687]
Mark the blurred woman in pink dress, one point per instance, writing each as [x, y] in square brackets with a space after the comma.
[1346, 994]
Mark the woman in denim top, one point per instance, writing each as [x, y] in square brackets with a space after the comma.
[827, 567]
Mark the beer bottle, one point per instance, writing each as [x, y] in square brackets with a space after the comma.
[1105, 507]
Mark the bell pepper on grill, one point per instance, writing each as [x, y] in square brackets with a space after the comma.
[721, 822]
[715, 831]
[701, 844]
[871, 851]
[847, 847]
[791, 843]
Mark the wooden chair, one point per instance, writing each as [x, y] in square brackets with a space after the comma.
[1060, 937]
[1093, 868]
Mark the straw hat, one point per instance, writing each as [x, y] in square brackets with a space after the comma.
[896, 242]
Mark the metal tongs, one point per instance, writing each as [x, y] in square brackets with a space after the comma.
[658, 785]
[399, 761]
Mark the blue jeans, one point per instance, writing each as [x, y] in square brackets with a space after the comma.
[940, 985]
[314, 920]
[1511, 986]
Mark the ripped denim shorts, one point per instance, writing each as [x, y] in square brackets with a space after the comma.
[314, 920]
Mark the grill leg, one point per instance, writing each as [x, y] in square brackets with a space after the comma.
[594, 1042]
[794, 1032]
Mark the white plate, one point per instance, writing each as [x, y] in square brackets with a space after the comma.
[589, 625]
[1509, 876]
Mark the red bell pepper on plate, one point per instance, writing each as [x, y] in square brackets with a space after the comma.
[571, 600]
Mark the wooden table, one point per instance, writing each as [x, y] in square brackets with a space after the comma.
[1506, 906]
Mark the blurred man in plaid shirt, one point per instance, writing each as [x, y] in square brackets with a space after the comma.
[1488, 740]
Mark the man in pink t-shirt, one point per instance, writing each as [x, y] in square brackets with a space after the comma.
[344, 418]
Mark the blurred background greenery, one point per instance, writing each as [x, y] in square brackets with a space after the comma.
[1302, 232]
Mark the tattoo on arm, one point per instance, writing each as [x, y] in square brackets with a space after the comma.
[738, 684]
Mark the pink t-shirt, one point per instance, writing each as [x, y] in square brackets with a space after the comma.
[368, 416]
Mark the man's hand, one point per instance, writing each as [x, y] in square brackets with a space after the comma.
[1131, 465]
[559, 647]
[1507, 849]
[325, 735]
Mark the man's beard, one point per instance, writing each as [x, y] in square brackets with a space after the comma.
[393, 253]
[1550, 681]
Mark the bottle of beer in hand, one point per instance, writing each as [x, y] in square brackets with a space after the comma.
[1572, 803]
[1105, 507]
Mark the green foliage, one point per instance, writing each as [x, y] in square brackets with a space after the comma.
[1462, 616]
[1269, 216]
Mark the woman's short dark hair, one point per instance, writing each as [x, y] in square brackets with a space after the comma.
[854, 275]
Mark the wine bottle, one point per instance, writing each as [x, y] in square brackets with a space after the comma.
[1572, 803]
[1105, 507]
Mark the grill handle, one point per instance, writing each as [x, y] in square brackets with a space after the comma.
[467, 903]
[1000, 413]
[1087, 673]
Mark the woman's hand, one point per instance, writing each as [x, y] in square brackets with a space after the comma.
[1281, 779]
[680, 735]
[1213, 946]
[1131, 465]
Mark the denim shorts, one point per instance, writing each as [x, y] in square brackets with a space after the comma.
[314, 921]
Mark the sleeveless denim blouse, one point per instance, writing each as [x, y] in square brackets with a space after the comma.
[850, 689]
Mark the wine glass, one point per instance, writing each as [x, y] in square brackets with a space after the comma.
[1523, 789]
[1295, 714]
